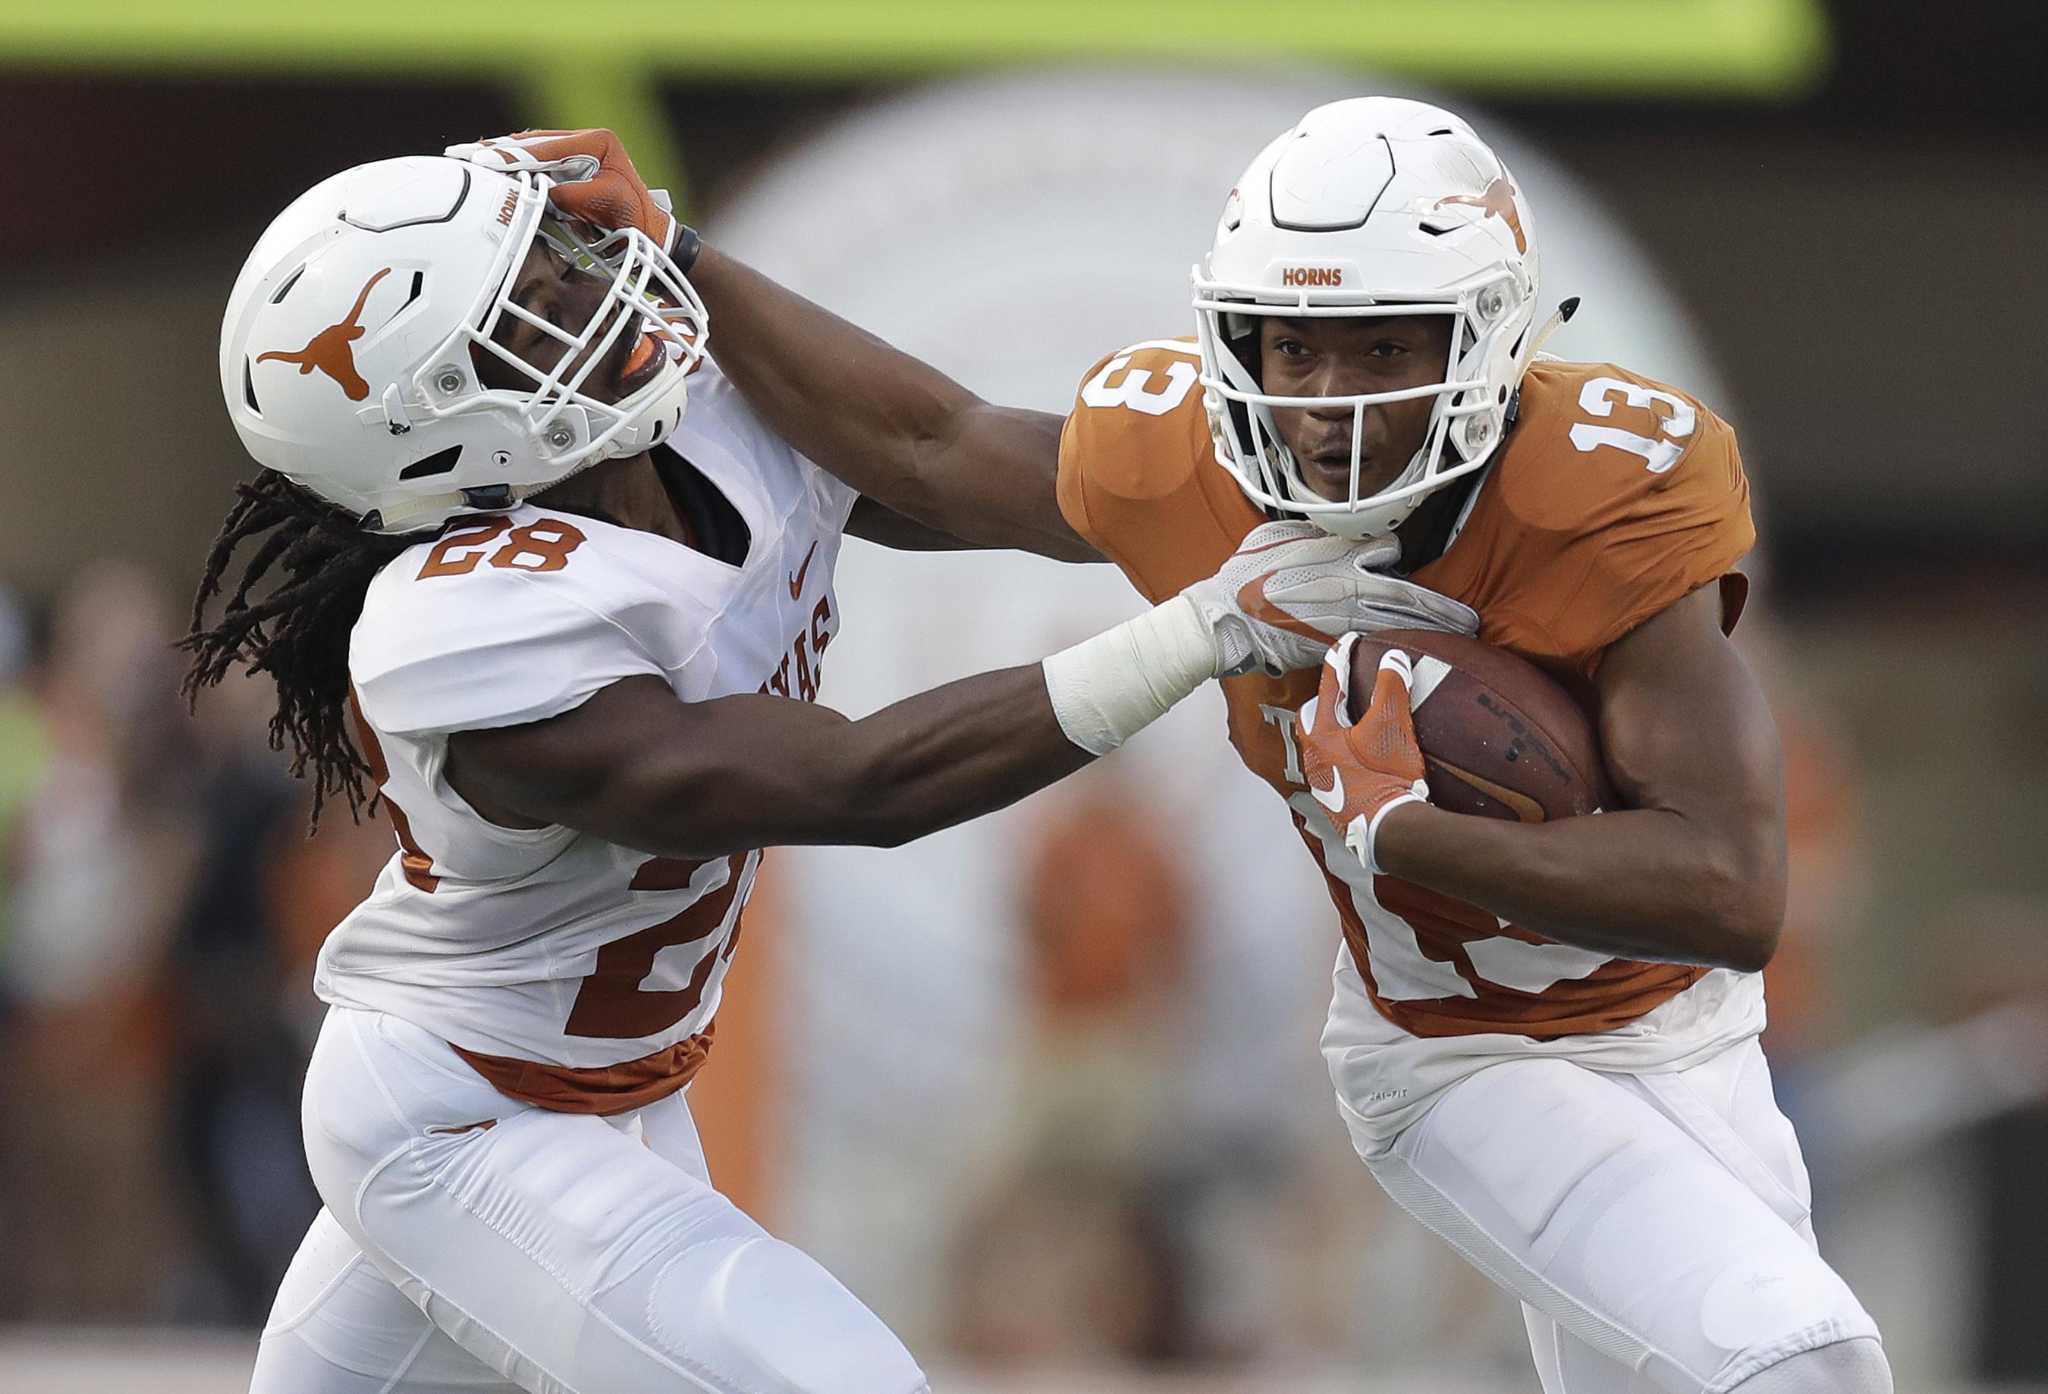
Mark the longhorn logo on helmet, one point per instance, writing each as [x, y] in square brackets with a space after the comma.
[332, 351]
[1497, 201]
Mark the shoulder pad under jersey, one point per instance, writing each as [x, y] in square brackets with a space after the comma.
[501, 621]
[1613, 497]
[1138, 476]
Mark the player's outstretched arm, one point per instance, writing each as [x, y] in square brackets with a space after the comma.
[901, 432]
[638, 766]
[895, 428]
[1692, 868]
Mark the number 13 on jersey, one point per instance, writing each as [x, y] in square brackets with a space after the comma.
[1142, 389]
[1673, 425]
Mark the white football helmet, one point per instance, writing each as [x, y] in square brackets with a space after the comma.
[346, 352]
[1376, 206]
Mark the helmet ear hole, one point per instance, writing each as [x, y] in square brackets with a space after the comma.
[440, 462]
[249, 386]
[1245, 348]
[1241, 422]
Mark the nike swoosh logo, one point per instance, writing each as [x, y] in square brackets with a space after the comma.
[1334, 800]
[796, 582]
[1521, 805]
[483, 1127]
[1253, 605]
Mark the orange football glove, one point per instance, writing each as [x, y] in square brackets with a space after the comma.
[1361, 771]
[594, 177]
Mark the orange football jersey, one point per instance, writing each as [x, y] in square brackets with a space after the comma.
[1612, 498]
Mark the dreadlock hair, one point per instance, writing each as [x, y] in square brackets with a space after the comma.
[298, 630]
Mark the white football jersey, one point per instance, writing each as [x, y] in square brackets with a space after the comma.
[571, 971]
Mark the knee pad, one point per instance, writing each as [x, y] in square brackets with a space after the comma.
[760, 1315]
[1846, 1367]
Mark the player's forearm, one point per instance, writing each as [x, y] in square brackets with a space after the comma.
[843, 397]
[965, 749]
[893, 427]
[1639, 883]
[952, 754]
[757, 771]
[977, 745]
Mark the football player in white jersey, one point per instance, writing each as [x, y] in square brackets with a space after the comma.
[1543, 1035]
[571, 633]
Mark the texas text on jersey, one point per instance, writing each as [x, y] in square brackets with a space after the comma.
[571, 972]
[1612, 498]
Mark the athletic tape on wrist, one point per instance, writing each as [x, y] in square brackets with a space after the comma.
[1106, 689]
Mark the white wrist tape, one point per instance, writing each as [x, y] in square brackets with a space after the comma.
[1107, 689]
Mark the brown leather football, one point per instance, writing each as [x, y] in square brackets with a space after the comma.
[1500, 737]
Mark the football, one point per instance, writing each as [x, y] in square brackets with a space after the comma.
[1500, 737]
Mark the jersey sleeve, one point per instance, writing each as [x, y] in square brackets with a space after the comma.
[1683, 532]
[1137, 477]
[1597, 537]
[489, 648]
[718, 412]
[836, 498]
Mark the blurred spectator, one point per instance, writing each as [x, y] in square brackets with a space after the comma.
[1827, 848]
[164, 905]
[1825, 892]
[21, 744]
[310, 883]
[1072, 1264]
[1076, 1255]
[235, 1088]
[1105, 919]
[21, 758]
[105, 851]
[1136, 1226]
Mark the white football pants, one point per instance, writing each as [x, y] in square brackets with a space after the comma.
[472, 1243]
[1654, 1226]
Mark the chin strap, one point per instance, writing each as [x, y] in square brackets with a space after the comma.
[1559, 319]
[430, 511]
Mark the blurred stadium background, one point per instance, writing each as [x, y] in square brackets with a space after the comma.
[1060, 1138]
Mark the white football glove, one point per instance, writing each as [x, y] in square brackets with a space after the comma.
[1291, 589]
[1276, 603]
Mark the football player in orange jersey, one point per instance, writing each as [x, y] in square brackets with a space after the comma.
[1543, 1037]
